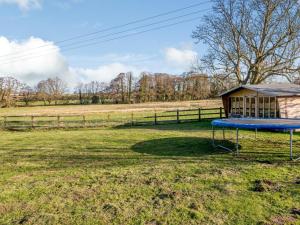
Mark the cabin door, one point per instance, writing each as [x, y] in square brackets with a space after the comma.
[250, 106]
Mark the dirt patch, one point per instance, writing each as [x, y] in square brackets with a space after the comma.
[24, 220]
[269, 162]
[171, 195]
[265, 185]
[111, 209]
[153, 181]
[194, 206]
[281, 220]
[295, 211]
[153, 222]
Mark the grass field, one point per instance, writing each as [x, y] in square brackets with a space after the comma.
[116, 108]
[106, 115]
[151, 175]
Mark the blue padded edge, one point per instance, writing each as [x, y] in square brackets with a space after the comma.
[269, 126]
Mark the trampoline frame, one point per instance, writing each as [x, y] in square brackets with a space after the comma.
[237, 150]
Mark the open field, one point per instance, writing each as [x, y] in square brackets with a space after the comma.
[92, 109]
[108, 115]
[166, 174]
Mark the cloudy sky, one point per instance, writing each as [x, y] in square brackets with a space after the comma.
[47, 38]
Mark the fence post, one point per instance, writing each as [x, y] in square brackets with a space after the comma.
[155, 119]
[83, 120]
[132, 123]
[32, 121]
[221, 112]
[5, 120]
[177, 116]
[58, 121]
[199, 111]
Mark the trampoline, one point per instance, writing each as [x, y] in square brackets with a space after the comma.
[256, 124]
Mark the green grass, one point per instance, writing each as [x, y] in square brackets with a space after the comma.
[167, 174]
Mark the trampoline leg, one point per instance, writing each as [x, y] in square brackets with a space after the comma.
[237, 141]
[223, 134]
[213, 136]
[291, 144]
[256, 133]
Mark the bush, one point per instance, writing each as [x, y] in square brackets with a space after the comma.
[95, 99]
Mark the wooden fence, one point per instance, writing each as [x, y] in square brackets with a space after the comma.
[188, 115]
[107, 119]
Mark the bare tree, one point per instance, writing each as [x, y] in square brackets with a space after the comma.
[121, 88]
[27, 94]
[9, 91]
[145, 87]
[252, 40]
[196, 86]
[51, 89]
[129, 86]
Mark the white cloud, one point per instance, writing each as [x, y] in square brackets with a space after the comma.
[29, 68]
[23, 4]
[19, 59]
[180, 58]
[28, 62]
[104, 73]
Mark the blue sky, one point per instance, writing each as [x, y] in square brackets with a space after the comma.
[55, 20]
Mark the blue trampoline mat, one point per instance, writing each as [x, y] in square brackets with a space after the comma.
[254, 123]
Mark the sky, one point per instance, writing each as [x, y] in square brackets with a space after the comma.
[33, 34]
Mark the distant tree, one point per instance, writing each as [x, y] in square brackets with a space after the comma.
[51, 89]
[27, 94]
[91, 91]
[129, 86]
[219, 84]
[79, 91]
[145, 87]
[42, 93]
[9, 91]
[121, 87]
[196, 86]
[95, 99]
[252, 40]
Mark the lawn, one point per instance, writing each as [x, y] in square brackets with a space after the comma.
[167, 174]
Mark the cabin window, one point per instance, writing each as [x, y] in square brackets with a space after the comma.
[263, 107]
[247, 111]
[272, 107]
[237, 106]
[250, 109]
[241, 106]
[253, 107]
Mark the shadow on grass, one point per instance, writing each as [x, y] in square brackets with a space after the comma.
[179, 146]
[180, 149]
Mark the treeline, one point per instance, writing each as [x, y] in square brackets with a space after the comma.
[125, 88]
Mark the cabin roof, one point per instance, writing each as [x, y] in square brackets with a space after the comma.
[276, 89]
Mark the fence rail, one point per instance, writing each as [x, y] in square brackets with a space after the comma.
[197, 115]
[102, 119]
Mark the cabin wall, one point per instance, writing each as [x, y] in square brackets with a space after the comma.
[243, 92]
[239, 93]
[249, 103]
[225, 100]
[289, 107]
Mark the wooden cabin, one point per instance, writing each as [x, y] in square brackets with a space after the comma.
[263, 101]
